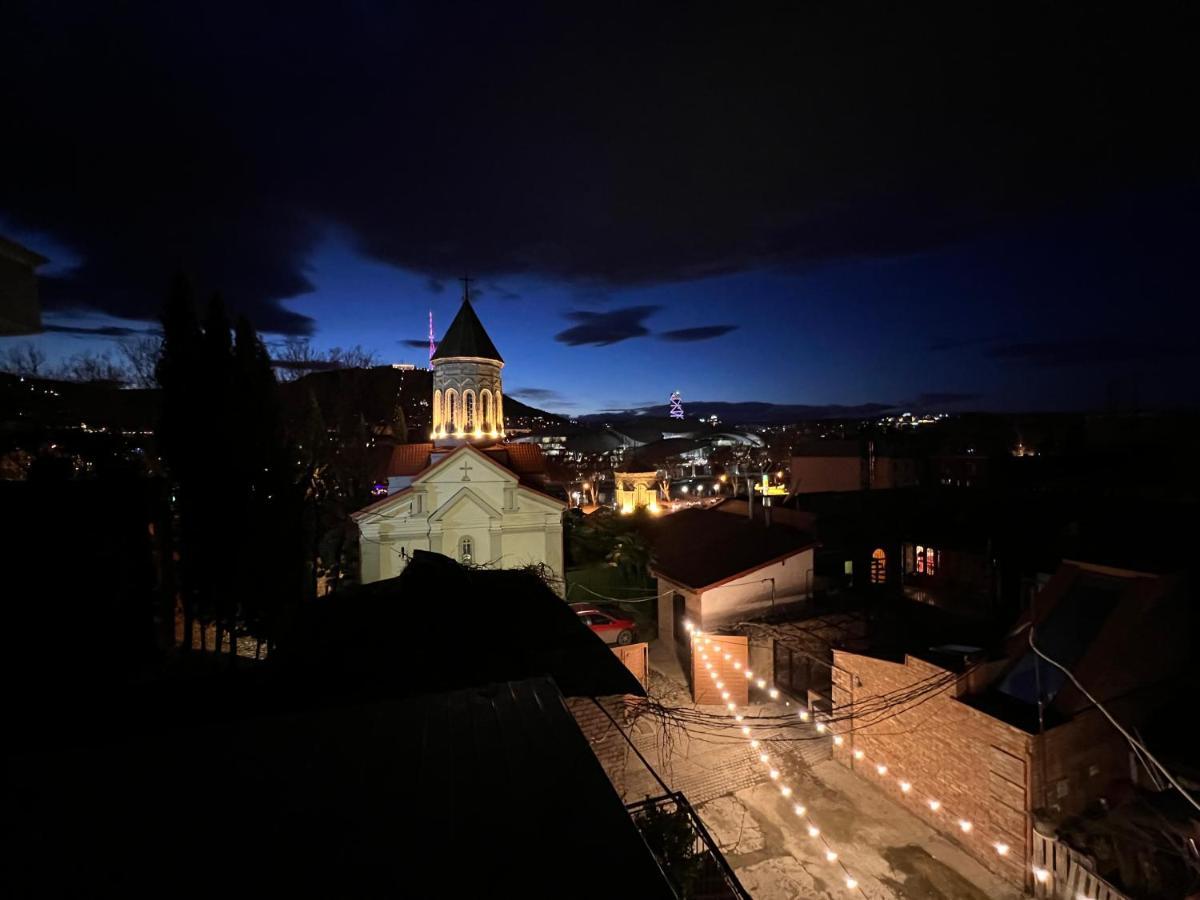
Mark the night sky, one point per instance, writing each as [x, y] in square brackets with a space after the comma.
[990, 207]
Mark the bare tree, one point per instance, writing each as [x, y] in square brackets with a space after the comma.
[90, 366]
[140, 355]
[297, 357]
[356, 357]
[24, 359]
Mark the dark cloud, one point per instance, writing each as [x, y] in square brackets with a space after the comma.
[502, 292]
[435, 285]
[702, 333]
[691, 144]
[604, 328]
[536, 395]
[946, 398]
[944, 344]
[113, 331]
[415, 342]
[1093, 351]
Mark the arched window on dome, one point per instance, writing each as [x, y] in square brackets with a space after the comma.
[878, 566]
[450, 411]
[437, 410]
[488, 423]
[499, 412]
[470, 422]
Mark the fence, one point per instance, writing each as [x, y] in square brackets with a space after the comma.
[1061, 873]
[635, 658]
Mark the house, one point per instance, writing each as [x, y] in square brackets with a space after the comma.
[715, 569]
[821, 466]
[379, 752]
[985, 741]
[20, 308]
[478, 506]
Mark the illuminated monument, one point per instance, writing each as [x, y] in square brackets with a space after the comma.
[467, 400]
[676, 405]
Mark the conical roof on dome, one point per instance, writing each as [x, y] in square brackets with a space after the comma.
[466, 337]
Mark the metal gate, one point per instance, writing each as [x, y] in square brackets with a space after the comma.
[797, 672]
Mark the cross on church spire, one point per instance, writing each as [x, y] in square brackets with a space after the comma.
[466, 283]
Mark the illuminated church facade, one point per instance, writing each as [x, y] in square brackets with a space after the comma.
[463, 493]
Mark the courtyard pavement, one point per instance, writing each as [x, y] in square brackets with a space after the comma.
[892, 853]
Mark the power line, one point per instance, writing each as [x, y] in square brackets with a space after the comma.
[1133, 742]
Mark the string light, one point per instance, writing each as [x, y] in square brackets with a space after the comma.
[881, 769]
[1042, 875]
[1001, 848]
[964, 825]
[858, 754]
[838, 740]
[935, 805]
[785, 790]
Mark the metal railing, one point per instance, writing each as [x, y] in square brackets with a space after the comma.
[685, 851]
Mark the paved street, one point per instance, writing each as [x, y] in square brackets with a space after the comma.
[892, 854]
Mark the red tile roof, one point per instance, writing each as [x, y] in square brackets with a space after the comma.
[409, 459]
[524, 459]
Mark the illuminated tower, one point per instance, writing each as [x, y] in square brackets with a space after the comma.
[467, 401]
[676, 405]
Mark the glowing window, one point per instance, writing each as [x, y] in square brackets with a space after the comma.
[920, 560]
[878, 566]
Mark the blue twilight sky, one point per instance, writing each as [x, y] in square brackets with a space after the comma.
[950, 209]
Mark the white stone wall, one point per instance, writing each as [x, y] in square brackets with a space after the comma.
[467, 496]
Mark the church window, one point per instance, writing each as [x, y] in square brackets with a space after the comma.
[488, 423]
[466, 551]
[450, 413]
[878, 566]
[469, 411]
[437, 408]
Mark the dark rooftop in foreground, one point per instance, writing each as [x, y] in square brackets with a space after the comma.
[699, 548]
[484, 791]
[404, 740]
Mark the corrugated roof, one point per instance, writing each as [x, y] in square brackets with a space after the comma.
[466, 337]
[701, 547]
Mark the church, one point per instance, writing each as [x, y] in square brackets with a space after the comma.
[464, 493]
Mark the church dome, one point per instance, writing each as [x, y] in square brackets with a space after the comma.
[466, 338]
[467, 400]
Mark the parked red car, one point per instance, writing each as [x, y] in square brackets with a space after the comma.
[611, 624]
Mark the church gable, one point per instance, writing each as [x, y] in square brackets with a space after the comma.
[465, 507]
[465, 465]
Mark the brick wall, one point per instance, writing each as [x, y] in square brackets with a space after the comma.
[977, 766]
[606, 740]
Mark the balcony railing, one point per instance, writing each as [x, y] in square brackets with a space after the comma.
[684, 849]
